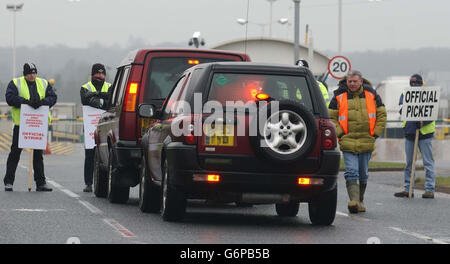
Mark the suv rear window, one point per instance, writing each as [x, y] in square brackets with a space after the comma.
[163, 73]
[244, 87]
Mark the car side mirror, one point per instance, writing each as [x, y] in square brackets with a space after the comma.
[146, 110]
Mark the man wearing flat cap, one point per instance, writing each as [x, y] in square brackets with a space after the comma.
[94, 93]
[34, 92]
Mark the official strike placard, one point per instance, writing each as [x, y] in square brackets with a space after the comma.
[33, 127]
[421, 103]
[91, 116]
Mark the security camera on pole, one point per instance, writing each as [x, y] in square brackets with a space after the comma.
[196, 40]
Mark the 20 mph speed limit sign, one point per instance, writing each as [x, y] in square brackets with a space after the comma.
[339, 66]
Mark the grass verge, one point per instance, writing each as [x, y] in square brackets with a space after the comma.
[376, 165]
[440, 181]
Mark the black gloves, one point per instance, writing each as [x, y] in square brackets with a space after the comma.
[35, 103]
[90, 94]
[96, 102]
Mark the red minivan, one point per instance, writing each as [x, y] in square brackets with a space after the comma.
[144, 76]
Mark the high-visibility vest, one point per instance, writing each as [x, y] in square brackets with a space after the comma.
[324, 91]
[371, 111]
[24, 92]
[91, 87]
[427, 129]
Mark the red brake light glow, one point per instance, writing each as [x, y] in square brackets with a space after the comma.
[130, 100]
[132, 89]
[262, 96]
[190, 139]
[304, 181]
[213, 178]
[193, 62]
[328, 143]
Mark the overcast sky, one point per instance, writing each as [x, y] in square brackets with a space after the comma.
[388, 24]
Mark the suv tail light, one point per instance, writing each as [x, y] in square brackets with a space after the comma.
[188, 133]
[304, 181]
[189, 138]
[209, 178]
[131, 97]
[328, 134]
[213, 178]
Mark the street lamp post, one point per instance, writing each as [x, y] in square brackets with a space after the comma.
[14, 8]
[270, 21]
[297, 31]
[340, 27]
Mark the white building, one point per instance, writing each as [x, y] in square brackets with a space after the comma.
[272, 50]
[390, 91]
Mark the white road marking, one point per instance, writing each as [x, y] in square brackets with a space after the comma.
[55, 184]
[90, 207]
[32, 210]
[416, 235]
[119, 228]
[342, 214]
[111, 222]
[69, 193]
[353, 216]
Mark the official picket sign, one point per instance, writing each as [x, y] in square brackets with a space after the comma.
[33, 128]
[91, 116]
[421, 103]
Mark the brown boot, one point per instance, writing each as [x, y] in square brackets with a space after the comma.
[353, 194]
[362, 190]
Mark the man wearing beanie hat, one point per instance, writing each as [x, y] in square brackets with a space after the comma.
[94, 93]
[34, 92]
[426, 129]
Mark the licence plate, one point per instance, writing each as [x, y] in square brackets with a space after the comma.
[145, 124]
[219, 135]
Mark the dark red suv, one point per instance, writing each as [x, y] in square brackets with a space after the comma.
[241, 132]
[144, 76]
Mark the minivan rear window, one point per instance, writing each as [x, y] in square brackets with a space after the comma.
[237, 87]
[163, 73]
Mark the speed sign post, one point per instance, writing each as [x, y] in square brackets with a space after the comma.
[339, 66]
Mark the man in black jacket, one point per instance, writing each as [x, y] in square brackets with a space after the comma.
[34, 92]
[426, 134]
[95, 94]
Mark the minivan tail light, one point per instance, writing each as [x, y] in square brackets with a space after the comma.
[131, 96]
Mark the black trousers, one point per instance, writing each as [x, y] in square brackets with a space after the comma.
[89, 166]
[13, 161]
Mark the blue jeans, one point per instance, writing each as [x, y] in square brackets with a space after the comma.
[357, 166]
[426, 149]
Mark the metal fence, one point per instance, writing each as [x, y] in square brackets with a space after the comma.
[69, 129]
